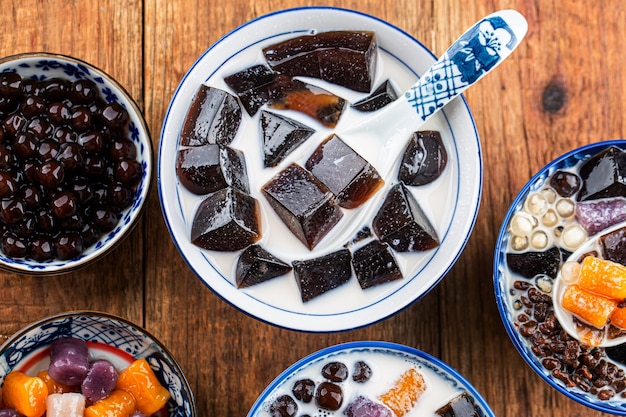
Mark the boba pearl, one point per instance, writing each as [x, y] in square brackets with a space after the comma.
[539, 239]
[519, 243]
[536, 204]
[565, 208]
[549, 194]
[570, 272]
[573, 236]
[522, 224]
[550, 218]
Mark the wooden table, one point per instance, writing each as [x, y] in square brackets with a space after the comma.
[561, 89]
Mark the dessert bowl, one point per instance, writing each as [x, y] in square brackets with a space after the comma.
[370, 371]
[61, 152]
[556, 217]
[108, 337]
[450, 202]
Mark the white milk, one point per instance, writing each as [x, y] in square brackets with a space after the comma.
[436, 199]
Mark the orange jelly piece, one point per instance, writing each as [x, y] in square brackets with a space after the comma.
[26, 394]
[591, 308]
[139, 379]
[118, 404]
[618, 318]
[603, 277]
[401, 398]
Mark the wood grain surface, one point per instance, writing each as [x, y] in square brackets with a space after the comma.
[561, 89]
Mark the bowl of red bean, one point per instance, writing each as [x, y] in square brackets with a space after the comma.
[75, 163]
[87, 363]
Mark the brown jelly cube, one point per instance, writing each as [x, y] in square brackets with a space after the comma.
[374, 264]
[256, 265]
[382, 95]
[603, 175]
[227, 220]
[402, 224]
[281, 135]
[614, 245]
[208, 168]
[303, 203]
[346, 58]
[213, 117]
[424, 158]
[351, 178]
[530, 264]
[460, 406]
[319, 275]
[256, 85]
[315, 102]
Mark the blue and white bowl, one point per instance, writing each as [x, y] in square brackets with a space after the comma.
[388, 361]
[41, 66]
[451, 202]
[506, 294]
[109, 337]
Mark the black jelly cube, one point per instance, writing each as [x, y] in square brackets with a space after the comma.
[213, 117]
[208, 168]
[351, 178]
[424, 158]
[460, 406]
[256, 265]
[281, 135]
[256, 85]
[603, 175]
[227, 220]
[382, 95]
[375, 264]
[346, 58]
[315, 102]
[303, 203]
[319, 275]
[402, 224]
[530, 264]
[614, 245]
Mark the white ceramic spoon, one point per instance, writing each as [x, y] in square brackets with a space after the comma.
[565, 318]
[478, 51]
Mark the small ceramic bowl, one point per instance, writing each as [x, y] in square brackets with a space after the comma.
[108, 337]
[45, 66]
[523, 282]
[437, 383]
[451, 202]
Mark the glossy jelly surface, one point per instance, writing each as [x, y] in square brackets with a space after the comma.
[439, 199]
[565, 220]
[401, 379]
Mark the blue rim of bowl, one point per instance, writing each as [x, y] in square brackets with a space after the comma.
[450, 263]
[77, 314]
[566, 160]
[76, 68]
[436, 365]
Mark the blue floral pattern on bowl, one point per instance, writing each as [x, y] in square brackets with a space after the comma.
[108, 330]
[42, 66]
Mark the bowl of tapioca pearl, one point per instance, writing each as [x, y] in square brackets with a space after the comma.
[90, 364]
[75, 163]
[370, 378]
[559, 274]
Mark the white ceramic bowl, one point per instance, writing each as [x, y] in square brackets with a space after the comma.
[509, 299]
[387, 362]
[451, 202]
[42, 66]
[109, 337]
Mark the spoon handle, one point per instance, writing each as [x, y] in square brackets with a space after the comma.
[479, 50]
